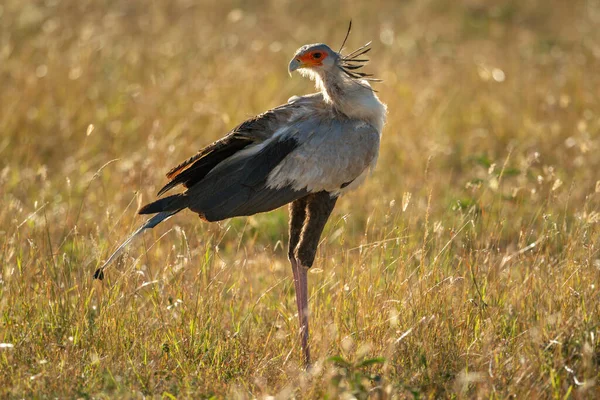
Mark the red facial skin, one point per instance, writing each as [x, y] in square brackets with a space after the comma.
[312, 59]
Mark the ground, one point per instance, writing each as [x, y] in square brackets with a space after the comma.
[467, 265]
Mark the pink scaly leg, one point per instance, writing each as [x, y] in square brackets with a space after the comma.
[307, 220]
[301, 285]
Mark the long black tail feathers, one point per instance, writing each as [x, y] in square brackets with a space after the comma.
[169, 203]
[151, 223]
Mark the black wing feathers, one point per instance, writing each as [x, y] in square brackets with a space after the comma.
[195, 168]
[222, 183]
[235, 189]
[241, 188]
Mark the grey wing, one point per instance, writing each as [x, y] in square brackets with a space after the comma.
[251, 132]
[239, 187]
[335, 155]
[227, 181]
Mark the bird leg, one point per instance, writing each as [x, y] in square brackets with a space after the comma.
[318, 209]
[301, 285]
[311, 214]
[297, 216]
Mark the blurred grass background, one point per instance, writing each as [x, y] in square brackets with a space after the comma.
[469, 260]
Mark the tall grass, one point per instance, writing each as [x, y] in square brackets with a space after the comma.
[467, 266]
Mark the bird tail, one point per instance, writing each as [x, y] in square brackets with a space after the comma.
[169, 203]
[151, 223]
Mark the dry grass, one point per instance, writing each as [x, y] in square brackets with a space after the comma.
[469, 261]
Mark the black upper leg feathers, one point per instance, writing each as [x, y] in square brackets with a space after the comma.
[308, 217]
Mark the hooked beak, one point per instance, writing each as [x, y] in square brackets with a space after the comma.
[294, 65]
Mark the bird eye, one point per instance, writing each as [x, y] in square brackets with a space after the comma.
[317, 55]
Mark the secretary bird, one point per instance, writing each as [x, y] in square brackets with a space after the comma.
[306, 152]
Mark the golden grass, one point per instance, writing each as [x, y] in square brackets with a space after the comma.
[469, 261]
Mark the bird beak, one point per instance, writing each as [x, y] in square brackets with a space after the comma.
[294, 65]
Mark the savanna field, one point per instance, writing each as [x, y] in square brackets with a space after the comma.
[467, 265]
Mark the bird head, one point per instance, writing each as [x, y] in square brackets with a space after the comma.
[314, 58]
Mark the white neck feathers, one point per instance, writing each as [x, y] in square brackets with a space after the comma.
[353, 98]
